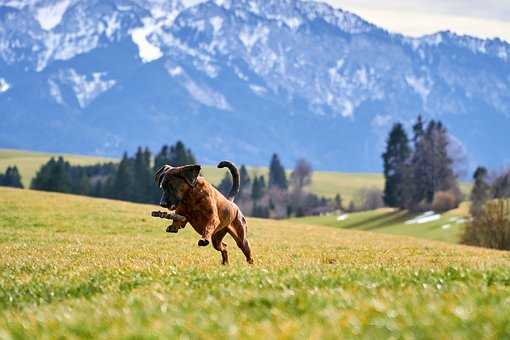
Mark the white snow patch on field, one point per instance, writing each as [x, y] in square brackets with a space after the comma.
[342, 217]
[427, 217]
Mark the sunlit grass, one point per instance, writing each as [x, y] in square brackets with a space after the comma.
[75, 267]
[391, 221]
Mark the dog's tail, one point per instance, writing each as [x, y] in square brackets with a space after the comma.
[236, 181]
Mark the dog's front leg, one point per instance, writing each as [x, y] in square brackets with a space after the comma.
[175, 226]
[207, 233]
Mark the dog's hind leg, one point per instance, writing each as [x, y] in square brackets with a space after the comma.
[219, 245]
[238, 230]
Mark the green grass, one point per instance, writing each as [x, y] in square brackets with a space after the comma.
[76, 267]
[392, 221]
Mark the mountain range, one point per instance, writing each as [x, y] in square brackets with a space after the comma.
[241, 79]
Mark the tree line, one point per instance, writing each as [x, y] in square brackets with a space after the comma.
[132, 180]
[419, 172]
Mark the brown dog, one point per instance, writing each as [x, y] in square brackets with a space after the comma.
[205, 208]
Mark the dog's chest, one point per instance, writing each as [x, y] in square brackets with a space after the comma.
[198, 210]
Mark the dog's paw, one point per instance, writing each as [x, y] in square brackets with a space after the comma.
[203, 242]
[172, 229]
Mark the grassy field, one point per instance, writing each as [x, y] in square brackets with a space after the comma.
[448, 228]
[76, 267]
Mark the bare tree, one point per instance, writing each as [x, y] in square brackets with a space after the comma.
[301, 175]
[370, 198]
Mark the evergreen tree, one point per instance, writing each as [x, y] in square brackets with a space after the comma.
[176, 155]
[122, 186]
[395, 160]
[244, 179]
[418, 176]
[80, 181]
[431, 166]
[11, 178]
[225, 184]
[142, 176]
[277, 176]
[258, 188]
[480, 192]
[53, 176]
[338, 202]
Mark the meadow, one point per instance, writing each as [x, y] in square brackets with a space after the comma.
[77, 267]
[448, 227]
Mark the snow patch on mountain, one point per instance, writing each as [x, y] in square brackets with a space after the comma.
[259, 90]
[175, 71]
[250, 37]
[147, 51]
[86, 88]
[4, 85]
[420, 85]
[55, 91]
[51, 15]
[206, 95]
[217, 23]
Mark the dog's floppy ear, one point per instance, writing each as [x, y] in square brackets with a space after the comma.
[190, 173]
[161, 173]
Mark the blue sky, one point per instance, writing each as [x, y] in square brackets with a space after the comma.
[482, 18]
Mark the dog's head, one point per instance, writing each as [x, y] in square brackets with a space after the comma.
[175, 182]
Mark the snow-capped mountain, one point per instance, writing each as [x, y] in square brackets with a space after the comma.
[240, 79]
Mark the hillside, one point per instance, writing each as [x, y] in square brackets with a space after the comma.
[78, 267]
[240, 80]
[446, 227]
[29, 162]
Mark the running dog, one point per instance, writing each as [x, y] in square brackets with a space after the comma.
[211, 214]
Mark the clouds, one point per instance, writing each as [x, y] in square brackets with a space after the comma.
[487, 19]
[481, 18]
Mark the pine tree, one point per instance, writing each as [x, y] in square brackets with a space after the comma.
[80, 182]
[419, 171]
[338, 202]
[258, 188]
[480, 192]
[395, 162]
[225, 184]
[277, 176]
[53, 176]
[142, 176]
[244, 179]
[122, 186]
[176, 155]
[11, 178]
